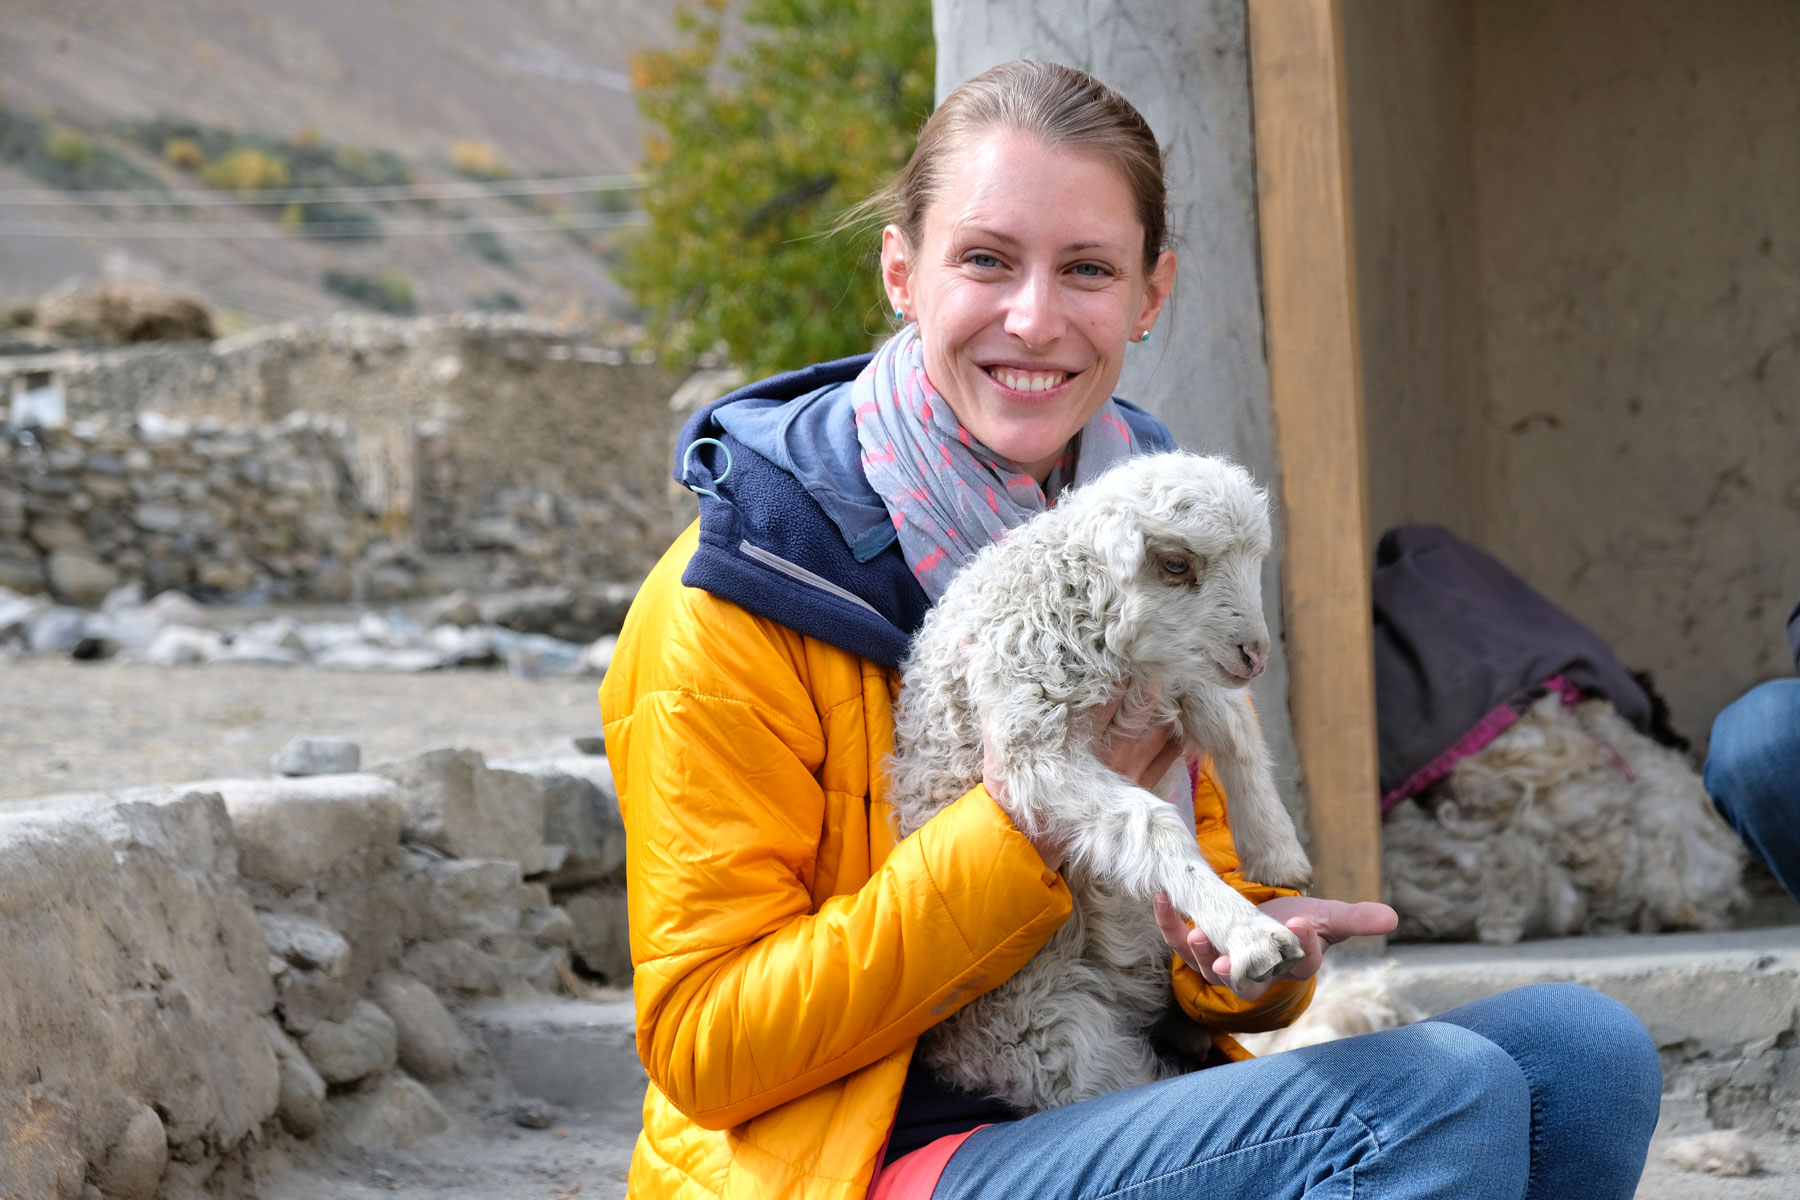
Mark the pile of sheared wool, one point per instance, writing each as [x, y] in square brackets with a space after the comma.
[1570, 822]
[1348, 1001]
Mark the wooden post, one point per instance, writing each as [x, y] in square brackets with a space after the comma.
[1315, 383]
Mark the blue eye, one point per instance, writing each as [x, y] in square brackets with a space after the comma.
[1091, 270]
[983, 260]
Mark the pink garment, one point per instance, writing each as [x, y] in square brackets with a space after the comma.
[914, 1176]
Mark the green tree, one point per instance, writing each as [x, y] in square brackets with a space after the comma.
[753, 159]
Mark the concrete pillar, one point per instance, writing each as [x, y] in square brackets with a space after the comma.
[1184, 64]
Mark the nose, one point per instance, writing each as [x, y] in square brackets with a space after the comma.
[1032, 315]
[1255, 656]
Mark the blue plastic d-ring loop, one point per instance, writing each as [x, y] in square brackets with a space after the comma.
[689, 453]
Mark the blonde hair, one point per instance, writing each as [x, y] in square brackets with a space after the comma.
[1066, 108]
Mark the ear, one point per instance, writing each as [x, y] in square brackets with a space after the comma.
[1156, 290]
[1120, 539]
[896, 270]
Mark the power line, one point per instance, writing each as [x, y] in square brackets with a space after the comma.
[371, 194]
[404, 227]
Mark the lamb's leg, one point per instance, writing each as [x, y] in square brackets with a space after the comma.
[1127, 836]
[1268, 846]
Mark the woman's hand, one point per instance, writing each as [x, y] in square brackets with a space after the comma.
[1144, 758]
[1319, 924]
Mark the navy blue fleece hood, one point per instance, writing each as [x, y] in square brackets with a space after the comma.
[789, 527]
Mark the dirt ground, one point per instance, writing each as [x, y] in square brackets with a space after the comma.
[72, 726]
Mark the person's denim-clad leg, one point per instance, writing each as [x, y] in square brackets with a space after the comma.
[1753, 775]
[1516, 1096]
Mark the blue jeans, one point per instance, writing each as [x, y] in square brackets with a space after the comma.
[1753, 775]
[1549, 1091]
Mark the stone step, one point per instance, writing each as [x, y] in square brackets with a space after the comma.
[577, 1054]
[1723, 1009]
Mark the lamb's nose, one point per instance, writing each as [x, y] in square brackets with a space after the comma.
[1255, 657]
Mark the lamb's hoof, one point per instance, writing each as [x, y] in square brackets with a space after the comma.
[1277, 866]
[1261, 951]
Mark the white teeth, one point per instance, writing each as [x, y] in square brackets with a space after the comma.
[1030, 381]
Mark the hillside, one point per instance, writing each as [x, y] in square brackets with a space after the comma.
[385, 89]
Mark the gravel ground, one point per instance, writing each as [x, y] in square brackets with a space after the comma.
[71, 726]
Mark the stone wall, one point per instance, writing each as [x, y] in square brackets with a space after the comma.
[214, 511]
[515, 450]
[199, 975]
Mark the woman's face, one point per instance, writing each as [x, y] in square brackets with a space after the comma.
[1026, 286]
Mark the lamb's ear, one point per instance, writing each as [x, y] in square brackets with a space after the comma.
[1119, 537]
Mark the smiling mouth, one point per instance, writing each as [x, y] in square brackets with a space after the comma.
[1027, 381]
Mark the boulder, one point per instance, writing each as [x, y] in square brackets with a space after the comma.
[430, 1044]
[363, 1044]
[581, 812]
[302, 1099]
[134, 1166]
[77, 577]
[600, 941]
[398, 1111]
[455, 803]
[306, 944]
[317, 756]
[290, 830]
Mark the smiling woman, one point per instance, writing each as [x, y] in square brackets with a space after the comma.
[790, 949]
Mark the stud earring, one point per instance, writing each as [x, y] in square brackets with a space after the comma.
[900, 314]
[1144, 336]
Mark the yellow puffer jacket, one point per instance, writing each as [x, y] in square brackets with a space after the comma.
[788, 951]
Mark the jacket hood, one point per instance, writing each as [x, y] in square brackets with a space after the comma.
[790, 528]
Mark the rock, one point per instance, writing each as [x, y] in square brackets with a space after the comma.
[159, 518]
[456, 804]
[302, 1101]
[363, 1044]
[290, 830]
[458, 968]
[598, 656]
[306, 944]
[56, 630]
[594, 744]
[17, 612]
[180, 645]
[532, 1113]
[581, 812]
[430, 1045]
[57, 533]
[547, 927]
[77, 577]
[317, 756]
[134, 1165]
[577, 1054]
[304, 998]
[358, 657]
[40, 1154]
[455, 609]
[480, 896]
[534, 655]
[601, 941]
[398, 1111]
[177, 608]
[125, 310]
[21, 570]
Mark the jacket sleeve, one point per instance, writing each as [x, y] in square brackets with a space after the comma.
[749, 993]
[1220, 1007]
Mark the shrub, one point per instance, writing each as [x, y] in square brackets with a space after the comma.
[69, 148]
[753, 159]
[477, 160]
[184, 153]
[246, 170]
[389, 292]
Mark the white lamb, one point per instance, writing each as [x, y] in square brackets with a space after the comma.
[1145, 583]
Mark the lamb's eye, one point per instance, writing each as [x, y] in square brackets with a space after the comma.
[1176, 566]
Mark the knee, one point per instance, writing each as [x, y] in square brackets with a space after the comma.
[1753, 759]
[1599, 1042]
[1462, 1077]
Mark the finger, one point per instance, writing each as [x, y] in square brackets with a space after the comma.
[1366, 918]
